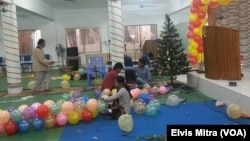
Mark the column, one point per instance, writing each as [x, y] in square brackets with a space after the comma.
[116, 31]
[11, 48]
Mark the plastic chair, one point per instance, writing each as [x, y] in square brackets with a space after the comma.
[47, 56]
[26, 61]
[2, 64]
[95, 66]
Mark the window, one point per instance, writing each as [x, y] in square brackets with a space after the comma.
[135, 35]
[86, 39]
[28, 40]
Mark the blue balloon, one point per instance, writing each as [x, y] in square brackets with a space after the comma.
[37, 123]
[23, 126]
[85, 99]
[145, 98]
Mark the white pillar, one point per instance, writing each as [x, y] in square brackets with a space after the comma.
[11, 48]
[116, 31]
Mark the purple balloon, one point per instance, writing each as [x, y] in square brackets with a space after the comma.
[29, 113]
[97, 93]
[73, 100]
[76, 94]
[10, 109]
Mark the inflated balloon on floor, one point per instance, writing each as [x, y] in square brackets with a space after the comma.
[77, 76]
[31, 85]
[139, 107]
[172, 100]
[163, 90]
[126, 122]
[65, 84]
[234, 111]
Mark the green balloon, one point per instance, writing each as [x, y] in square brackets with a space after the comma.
[16, 115]
[102, 106]
[66, 96]
[55, 108]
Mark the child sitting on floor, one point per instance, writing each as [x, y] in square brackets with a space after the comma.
[121, 100]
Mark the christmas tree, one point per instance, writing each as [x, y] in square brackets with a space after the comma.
[171, 59]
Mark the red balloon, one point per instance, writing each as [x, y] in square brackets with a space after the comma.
[200, 49]
[190, 35]
[10, 128]
[87, 115]
[196, 23]
[194, 9]
[191, 27]
[42, 111]
[201, 14]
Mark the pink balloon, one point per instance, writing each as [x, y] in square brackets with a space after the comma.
[1, 128]
[61, 119]
[163, 90]
[35, 105]
[48, 103]
[135, 93]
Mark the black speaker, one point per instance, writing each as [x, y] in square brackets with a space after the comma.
[74, 64]
[72, 51]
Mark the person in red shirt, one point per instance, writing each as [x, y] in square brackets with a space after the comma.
[108, 81]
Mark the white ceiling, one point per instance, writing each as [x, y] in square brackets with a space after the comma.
[131, 6]
[80, 4]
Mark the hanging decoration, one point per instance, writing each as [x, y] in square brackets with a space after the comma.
[198, 19]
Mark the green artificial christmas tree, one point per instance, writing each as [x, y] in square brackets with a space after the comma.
[171, 59]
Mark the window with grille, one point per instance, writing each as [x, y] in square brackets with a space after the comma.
[28, 40]
[135, 35]
[87, 40]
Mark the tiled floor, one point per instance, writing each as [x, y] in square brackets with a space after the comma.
[220, 89]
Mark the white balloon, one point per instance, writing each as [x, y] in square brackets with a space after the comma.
[125, 122]
[172, 100]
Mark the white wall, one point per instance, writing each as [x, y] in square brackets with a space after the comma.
[54, 31]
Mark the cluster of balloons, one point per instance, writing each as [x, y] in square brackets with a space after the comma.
[65, 81]
[145, 100]
[39, 116]
[197, 19]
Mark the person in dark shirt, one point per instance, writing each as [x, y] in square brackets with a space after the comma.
[130, 75]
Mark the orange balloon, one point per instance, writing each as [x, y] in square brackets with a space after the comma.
[92, 104]
[67, 107]
[22, 107]
[4, 116]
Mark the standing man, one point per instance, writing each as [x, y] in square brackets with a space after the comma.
[40, 67]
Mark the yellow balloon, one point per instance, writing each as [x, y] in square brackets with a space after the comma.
[193, 17]
[95, 113]
[205, 2]
[234, 111]
[195, 45]
[198, 31]
[224, 2]
[66, 77]
[214, 0]
[114, 91]
[73, 117]
[194, 52]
